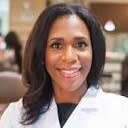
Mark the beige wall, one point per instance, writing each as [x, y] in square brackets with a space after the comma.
[111, 38]
[86, 2]
[23, 16]
[114, 1]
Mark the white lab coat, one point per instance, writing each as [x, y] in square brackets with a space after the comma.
[96, 109]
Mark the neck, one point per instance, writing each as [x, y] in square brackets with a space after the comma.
[64, 96]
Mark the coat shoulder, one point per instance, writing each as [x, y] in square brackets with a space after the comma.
[115, 97]
[12, 115]
[115, 100]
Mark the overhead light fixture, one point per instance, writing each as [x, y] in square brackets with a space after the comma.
[109, 25]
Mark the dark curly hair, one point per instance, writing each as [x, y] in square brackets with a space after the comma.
[39, 95]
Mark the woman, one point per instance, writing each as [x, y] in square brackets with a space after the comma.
[63, 60]
[13, 42]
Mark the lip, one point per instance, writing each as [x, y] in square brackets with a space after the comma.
[69, 73]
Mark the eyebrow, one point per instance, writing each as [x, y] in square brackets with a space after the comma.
[87, 40]
[55, 38]
[75, 38]
[79, 38]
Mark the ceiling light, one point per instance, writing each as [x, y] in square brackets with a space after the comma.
[109, 26]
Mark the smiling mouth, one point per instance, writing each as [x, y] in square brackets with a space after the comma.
[69, 73]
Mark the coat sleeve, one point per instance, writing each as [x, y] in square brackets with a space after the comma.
[126, 114]
[11, 117]
[5, 121]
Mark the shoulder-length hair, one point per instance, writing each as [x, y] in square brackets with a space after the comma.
[39, 95]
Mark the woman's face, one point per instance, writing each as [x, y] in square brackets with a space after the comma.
[68, 54]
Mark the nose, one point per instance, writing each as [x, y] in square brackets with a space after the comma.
[69, 55]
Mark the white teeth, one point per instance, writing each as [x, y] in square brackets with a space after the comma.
[69, 71]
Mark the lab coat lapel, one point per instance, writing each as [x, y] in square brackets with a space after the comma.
[50, 118]
[86, 114]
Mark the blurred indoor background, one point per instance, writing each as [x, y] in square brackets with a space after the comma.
[18, 16]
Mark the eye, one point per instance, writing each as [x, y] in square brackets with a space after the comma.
[56, 45]
[80, 45]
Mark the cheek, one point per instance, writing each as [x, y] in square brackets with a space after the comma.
[87, 60]
[50, 61]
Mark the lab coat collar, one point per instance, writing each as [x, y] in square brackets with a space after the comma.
[88, 105]
[89, 100]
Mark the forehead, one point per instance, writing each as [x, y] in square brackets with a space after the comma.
[71, 19]
[70, 24]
